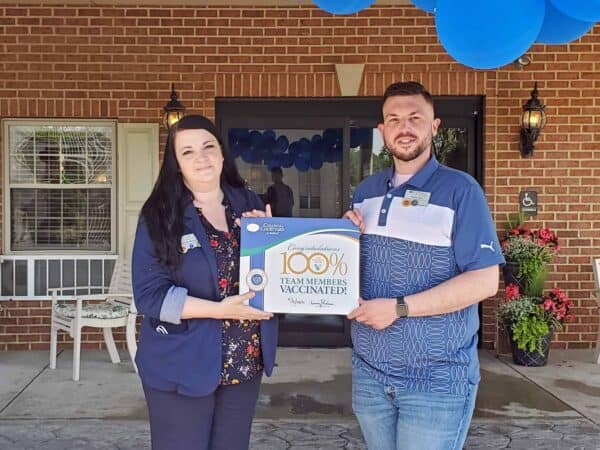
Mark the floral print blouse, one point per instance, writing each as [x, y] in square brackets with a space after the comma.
[242, 358]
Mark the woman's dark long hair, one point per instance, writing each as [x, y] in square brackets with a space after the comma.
[163, 212]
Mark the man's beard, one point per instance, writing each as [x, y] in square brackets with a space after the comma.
[414, 154]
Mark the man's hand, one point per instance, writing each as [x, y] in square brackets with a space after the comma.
[356, 218]
[378, 313]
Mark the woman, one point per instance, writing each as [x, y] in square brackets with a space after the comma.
[202, 351]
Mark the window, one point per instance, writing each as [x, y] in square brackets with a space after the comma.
[309, 184]
[59, 186]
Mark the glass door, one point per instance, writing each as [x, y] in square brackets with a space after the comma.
[307, 155]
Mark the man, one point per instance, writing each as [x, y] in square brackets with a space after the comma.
[429, 254]
[279, 195]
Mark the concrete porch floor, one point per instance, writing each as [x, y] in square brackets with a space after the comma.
[306, 404]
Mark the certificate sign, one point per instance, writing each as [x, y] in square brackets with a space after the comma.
[303, 266]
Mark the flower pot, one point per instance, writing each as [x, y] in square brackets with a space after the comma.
[531, 359]
[509, 273]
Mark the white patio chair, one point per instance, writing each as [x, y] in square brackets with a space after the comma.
[596, 266]
[116, 309]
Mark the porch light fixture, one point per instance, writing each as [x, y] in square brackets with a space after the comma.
[522, 61]
[174, 110]
[533, 120]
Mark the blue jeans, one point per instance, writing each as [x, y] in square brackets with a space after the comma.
[397, 420]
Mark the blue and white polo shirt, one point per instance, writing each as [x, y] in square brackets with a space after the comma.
[418, 235]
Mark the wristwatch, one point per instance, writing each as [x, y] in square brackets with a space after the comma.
[401, 307]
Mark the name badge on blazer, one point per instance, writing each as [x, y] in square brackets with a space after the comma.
[188, 242]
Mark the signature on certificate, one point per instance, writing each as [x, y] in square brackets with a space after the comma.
[296, 301]
[321, 303]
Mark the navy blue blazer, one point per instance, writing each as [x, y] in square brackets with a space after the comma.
[188, 359]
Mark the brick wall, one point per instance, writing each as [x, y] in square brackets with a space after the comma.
[118, 62]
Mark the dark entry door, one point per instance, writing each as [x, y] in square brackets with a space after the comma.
[325, 147]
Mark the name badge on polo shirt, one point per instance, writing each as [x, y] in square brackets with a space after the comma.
[417, 198]
[188, 242]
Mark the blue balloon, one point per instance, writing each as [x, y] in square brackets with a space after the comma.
[269, 134]
[294, 148]
[268, 156]
[359, 136]
[287, 160]
[238, 132]
[304, 155]
[332, 137]
[274, 162]
[583, 10]
[302, 164]
[257, 155]
[247, 155]
[425, 5]
[328, 155]
[343, 6]
[559, 28]
[269, 143]
[281, 145]
[244, 142]
[304, 145]
[366, 135]
[337, 155]
[256, 139]
[488, 34]
[316, 160]
[317, 144]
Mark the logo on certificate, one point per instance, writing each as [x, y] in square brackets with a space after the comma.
[256, 279]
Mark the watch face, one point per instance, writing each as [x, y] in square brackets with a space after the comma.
[401, 310]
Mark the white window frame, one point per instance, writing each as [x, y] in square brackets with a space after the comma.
[6, 185]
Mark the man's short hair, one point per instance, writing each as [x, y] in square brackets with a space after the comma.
[277, 170]
[405, 88]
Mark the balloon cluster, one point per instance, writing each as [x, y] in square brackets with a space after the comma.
[343, 6]
[487, 34]
[491, 33]
[256, 147]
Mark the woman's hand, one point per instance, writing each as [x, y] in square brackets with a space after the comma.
[356, 218]
[256, 213]
[233, 307]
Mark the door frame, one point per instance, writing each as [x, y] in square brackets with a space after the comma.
[344, 113]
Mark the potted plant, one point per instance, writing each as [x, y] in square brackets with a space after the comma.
[527, 253]
[531, 320]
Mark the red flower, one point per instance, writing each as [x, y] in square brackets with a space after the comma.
[549, 305]
[545, 233]
[214, 243]
[223, 283]
[562, 295]
[511, 292]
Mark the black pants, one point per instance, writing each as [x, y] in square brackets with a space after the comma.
[219, 421]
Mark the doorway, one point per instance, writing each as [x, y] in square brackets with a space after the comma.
[324, 148]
